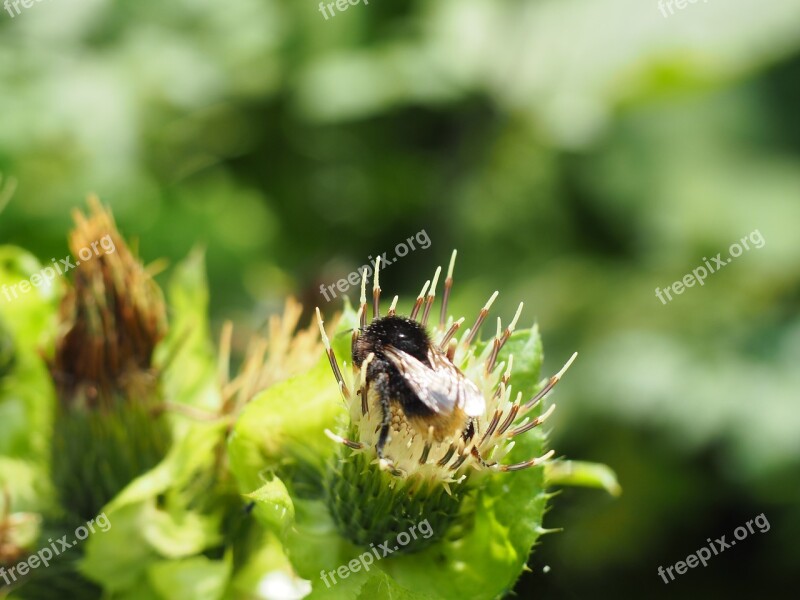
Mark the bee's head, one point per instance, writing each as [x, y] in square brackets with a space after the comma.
[402, 333]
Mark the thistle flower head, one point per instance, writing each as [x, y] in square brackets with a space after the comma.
[486, 438]
[420, 457]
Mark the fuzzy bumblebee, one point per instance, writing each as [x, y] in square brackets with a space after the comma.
[430, 412]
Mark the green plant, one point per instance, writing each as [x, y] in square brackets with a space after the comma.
[330, 499]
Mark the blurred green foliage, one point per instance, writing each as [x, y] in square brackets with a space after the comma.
[578, 154]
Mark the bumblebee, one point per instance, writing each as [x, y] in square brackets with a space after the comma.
[408, 371]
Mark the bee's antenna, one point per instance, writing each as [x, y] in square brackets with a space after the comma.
[393, 307]
[481, 317]
[431, 296]
[500, 340]
[376, 291]
[362, 309]
[332, 357]
[420, 299]
[448, 284]
[450, 333]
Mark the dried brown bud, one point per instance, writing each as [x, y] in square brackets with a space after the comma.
[111, 319]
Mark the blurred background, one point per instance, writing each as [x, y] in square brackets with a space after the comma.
[579, 154]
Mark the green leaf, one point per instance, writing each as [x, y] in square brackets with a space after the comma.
[191, 578]
[27, 314]
[273, 505]
[152, 519]
[27, 398]
[27, 483]
[585, 474]
[26, 392]
[365, 585]
[187, 354]
[314, 543]
[380, 585]
[282, 430]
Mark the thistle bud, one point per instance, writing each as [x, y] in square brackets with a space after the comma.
[109, 426]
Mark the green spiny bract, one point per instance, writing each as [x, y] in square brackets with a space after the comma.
[370, 505]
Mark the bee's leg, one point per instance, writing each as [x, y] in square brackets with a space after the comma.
[364, 391]
[381, 383]
[469, 430]
[386, 421]
[469, 433]
[477, 454]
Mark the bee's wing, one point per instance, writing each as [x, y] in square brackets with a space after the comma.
[440, 385]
